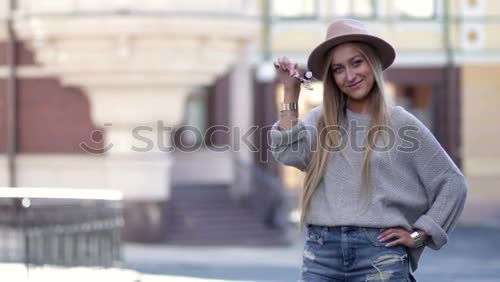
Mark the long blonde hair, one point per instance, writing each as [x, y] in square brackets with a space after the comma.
[333, 113]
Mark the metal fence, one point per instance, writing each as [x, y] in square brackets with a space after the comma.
[63, 227]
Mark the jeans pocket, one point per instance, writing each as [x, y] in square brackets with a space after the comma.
[371, 235]
[314, 234]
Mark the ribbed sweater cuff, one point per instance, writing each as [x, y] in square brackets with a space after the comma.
[438, 235]
[284, 137]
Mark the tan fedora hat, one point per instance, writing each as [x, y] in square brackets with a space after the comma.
[348, 30]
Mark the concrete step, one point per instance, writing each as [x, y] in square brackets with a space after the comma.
[208, 216]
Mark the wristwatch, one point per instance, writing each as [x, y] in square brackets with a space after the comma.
[418, 237]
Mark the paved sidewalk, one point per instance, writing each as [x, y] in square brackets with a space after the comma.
[473, 254]
[14, 272]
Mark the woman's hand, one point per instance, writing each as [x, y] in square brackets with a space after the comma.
[286, 69]
[402, 237]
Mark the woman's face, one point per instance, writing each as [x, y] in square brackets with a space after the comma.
[351, 71]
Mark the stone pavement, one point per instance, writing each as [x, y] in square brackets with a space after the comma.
[472, 254]
[16, 272]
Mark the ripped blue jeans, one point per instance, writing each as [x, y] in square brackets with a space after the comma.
[353, 254]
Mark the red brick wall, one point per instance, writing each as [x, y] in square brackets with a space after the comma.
[23, 55]
[51, 118]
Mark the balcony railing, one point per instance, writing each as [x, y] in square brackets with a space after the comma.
[63, 227]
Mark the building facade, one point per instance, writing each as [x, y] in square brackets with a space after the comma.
[91, 91]
[94, 94]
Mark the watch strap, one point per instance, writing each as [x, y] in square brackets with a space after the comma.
[288, 107]
[418, 237]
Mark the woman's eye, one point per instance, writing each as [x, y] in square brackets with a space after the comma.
[337, 70]
[357, 62]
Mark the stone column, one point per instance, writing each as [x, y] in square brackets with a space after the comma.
[241, 111]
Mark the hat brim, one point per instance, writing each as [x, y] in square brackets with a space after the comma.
[317, 59]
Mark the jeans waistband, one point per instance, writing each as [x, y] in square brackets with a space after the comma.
[341, 228]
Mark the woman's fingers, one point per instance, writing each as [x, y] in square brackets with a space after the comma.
[385, 232]
[289, 66]
[389, 236]
[394, 243]
[401, 234]
[286, 70]
[285, 60]
[284, 64]
[279, 64]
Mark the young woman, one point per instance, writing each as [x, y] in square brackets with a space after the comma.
[378, 186]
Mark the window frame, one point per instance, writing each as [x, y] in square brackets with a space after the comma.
[352, 15]
[401, 16]
[314, 15]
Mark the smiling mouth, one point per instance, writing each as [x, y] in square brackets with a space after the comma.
[355, 84]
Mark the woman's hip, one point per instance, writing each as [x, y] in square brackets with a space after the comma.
[351, 251]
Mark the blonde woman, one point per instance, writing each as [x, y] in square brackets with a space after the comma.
[378, 186]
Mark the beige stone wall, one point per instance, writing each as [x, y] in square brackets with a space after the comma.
[491, 38]
[480, 132]
[491, 7]
[301, 38]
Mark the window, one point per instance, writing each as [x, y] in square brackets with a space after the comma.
[295, 8]
[411, 9]
[354, 8]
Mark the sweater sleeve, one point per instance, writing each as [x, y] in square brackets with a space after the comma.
[293, 146]
[445, 187]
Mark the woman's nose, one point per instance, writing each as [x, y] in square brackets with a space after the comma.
[350, 75]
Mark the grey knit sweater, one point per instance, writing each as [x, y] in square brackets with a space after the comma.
[415, 184]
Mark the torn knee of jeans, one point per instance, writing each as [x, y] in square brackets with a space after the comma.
[389, 258]
[309, 255]
[382, 275]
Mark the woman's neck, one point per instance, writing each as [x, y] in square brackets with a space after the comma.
[359, 106]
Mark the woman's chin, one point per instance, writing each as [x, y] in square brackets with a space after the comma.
[358, 96]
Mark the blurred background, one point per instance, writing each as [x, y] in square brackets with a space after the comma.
[134, 133]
